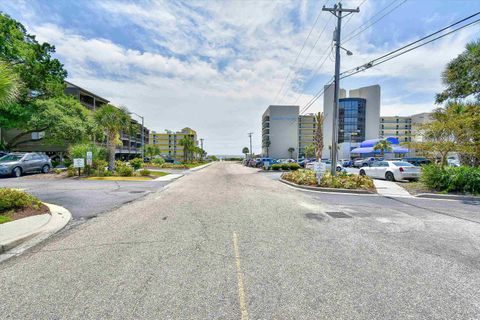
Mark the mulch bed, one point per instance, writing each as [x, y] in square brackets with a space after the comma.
[28, 212]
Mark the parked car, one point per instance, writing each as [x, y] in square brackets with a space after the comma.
[346, 163]
[392, 170]
[365, 162]
[453, 162]
[3, 153]
[261, 161]
[16, 164]
[304, 162]
[417, 161]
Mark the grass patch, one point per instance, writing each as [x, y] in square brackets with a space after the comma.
[4, 219]
[158, 173]
[119, 178]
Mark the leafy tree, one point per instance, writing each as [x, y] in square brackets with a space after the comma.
[113, 120]
[319, 135]
[291, 150]
[462, 75]
[41, 75]
[382, 145]
[9, 84]
[309, 151]
[63, 119]
[267, 143]
[152, 150]
[245, 151]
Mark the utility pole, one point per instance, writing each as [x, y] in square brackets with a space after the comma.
[337, 11]
[251, 151]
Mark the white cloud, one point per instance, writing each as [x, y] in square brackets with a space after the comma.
[255, 42]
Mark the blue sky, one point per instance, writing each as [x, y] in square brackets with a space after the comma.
[216, 65]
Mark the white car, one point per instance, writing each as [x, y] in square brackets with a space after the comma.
[391, 170]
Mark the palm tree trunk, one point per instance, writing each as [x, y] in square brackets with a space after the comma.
[111, 152]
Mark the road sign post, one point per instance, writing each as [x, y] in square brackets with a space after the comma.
[79, 163]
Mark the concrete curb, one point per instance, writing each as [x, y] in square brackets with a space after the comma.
[169, 177]
[19, 244]
[202, 166]
[447, 196]
[321, 189]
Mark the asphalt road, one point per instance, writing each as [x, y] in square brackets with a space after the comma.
[228, 242]
[83, 198]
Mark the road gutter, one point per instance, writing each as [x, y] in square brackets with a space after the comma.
[19, 243]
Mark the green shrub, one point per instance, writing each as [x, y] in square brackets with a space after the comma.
[71, 171]
[451, 179]
[144, 172]
[136, 163]
[123, 169]
[67, 163]
[158, 161]
[347, 181]
[285, 166]
[302, 177]
[80, 151]
[276, 166]
[294, 166]
[11, 199]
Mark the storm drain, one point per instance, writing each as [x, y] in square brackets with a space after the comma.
[314, 216]
[338, 214]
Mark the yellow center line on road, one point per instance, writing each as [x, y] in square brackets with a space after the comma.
[241, 288]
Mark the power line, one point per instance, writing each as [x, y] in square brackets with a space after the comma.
[299, 53]
[396, 53]
[350, 36]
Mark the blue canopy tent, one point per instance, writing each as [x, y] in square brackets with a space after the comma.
[366, 147]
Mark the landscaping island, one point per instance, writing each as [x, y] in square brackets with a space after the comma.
[16, 204]
[342, 181]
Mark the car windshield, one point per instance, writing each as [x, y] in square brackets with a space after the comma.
[11, 157]
[403, 164]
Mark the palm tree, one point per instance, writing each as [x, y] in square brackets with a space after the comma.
[267, 145]
[382, 145]
[187, 145]
[113, 120]
[319, 135]
[245, 151]
[291, 150]
[9, 84]
[132, 130]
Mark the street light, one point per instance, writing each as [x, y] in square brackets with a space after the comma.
[143, 134]
[349, 53]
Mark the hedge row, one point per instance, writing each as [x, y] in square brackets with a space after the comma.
[286, 166]
[452, 179]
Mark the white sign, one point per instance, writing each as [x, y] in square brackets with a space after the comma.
[89, 158]
[319, 168]
[78, 163]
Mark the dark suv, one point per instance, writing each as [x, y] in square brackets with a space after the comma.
[16, 164]
[418, 161]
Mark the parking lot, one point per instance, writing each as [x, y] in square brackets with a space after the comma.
[83, 198]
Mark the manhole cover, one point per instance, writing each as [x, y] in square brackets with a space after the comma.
[314, 216]
[338, 214]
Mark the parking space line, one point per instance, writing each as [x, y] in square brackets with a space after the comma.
[241, 287]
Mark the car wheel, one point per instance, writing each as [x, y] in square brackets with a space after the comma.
[339, 169]
[45, 168]
[362, 172]
[389, 176]
[17, 172]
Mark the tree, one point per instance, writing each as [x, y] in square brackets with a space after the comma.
[245, 151]
[291, 150]
[9, 84]
[113, 120]
[319, 135]
[382, 145]
[152, 150]
[309, 151]
[133, 129]
[188, 145]
[63, 120]
[462, 75]
[267, 144]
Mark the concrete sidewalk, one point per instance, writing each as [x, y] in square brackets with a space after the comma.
[390, 189]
